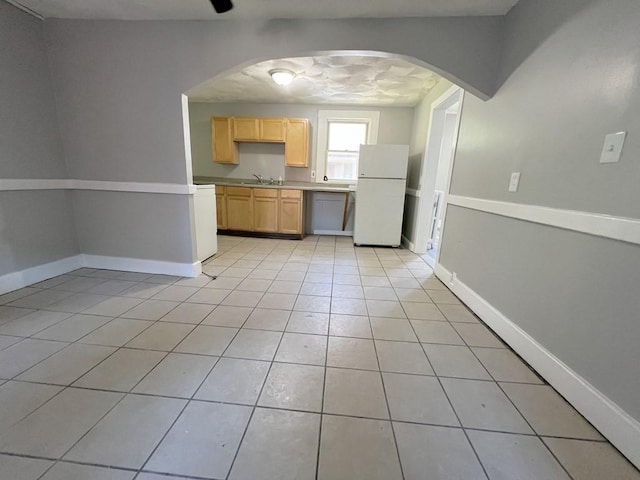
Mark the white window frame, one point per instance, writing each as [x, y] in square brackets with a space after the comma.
[370, 117]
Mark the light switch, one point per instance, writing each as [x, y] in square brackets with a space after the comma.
[612, 147]
[514, 182]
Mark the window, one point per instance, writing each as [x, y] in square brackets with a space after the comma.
[342, 151]
[340, 135]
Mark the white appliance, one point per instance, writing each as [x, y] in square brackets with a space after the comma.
[382, 179]
[204, 205]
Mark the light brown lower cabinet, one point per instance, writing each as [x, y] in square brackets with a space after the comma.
[265, 210]
[221, 208]
[290, 211]
[239, 209]
[262, 210]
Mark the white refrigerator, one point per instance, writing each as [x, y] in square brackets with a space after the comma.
[382, 180]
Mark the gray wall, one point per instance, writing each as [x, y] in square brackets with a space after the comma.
[574, 293]
[152, 226]
[30, 145]
[570, 72]
[35, 226]
[561, 96]
[268, 159]
[118, 84]
[118, 87]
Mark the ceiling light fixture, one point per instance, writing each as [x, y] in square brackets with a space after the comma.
[222, 6]
[282, 76]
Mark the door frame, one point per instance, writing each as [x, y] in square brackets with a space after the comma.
[424, 207]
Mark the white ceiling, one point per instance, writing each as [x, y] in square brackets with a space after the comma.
[262, 9]
[344, 80]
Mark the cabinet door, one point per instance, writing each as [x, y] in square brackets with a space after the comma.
[222, 145]
[246, 129]
[291, 204]
[239, 209]
[296, 149]
[272, 129]
[265, 214]
[221, 208]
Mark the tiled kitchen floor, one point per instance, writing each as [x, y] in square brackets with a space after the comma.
[303, 359]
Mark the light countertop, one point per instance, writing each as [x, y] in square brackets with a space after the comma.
[311, 186]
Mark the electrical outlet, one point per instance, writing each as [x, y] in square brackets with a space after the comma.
[313, 174]
[514, 182]
[454, 277]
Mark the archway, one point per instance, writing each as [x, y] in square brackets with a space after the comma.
[205, 89]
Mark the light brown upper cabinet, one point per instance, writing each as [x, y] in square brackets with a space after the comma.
[272, 129]
[293, 132]
[296, 147]
[250, 129]
[225, 150]
[246, 129]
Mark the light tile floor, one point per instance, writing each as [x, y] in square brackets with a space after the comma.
[303, 359]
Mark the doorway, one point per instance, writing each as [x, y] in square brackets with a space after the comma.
[436, 174]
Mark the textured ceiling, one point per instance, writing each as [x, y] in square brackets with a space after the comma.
[344, 80]
[262, 9]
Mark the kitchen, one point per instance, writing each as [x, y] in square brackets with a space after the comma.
[379, 92]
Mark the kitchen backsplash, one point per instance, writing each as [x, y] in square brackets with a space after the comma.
[266, 159]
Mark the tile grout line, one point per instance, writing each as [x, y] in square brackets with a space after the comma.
[195, 392]
[510, 400]
[537, 435]
[477, 456]
[328, 336]
[590, 440]
[493, 380]
[211, 370]
[324, 385]
[384, 392]
[254, 407]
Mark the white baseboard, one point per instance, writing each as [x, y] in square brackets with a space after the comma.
[341, 233]
[15, 280]
[23, 278]
[142, 265]
[407, 243]
[613, 422]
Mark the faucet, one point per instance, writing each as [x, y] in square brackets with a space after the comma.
[259, 177]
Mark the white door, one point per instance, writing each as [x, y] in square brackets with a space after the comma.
[383, 161]
[436, 171]
[379, 210]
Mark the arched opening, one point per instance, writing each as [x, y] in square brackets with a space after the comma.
[396, 86]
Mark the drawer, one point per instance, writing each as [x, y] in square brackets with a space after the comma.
[265, 192]
[239, 191]
[290, 193]
[220, 189]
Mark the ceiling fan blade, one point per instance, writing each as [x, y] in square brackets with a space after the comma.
[221, 6]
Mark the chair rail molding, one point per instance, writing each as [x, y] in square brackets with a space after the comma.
[23, 184]
[607, 226]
